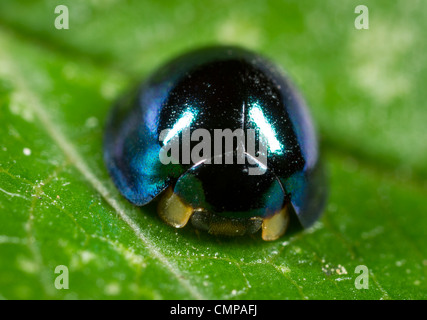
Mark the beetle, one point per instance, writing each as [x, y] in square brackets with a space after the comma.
[158, 145]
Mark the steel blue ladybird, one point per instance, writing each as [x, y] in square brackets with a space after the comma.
[200, 97]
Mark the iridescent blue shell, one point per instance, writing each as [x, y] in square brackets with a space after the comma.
[218, 88]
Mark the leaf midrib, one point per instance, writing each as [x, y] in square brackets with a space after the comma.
[77, 161]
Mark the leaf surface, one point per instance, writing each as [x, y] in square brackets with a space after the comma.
[58, 205]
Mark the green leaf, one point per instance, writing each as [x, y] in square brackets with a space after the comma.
[58, 205]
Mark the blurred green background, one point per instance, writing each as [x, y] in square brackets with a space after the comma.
[366, 91]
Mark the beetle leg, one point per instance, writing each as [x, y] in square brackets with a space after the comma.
[275, 226]
[173, 210]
